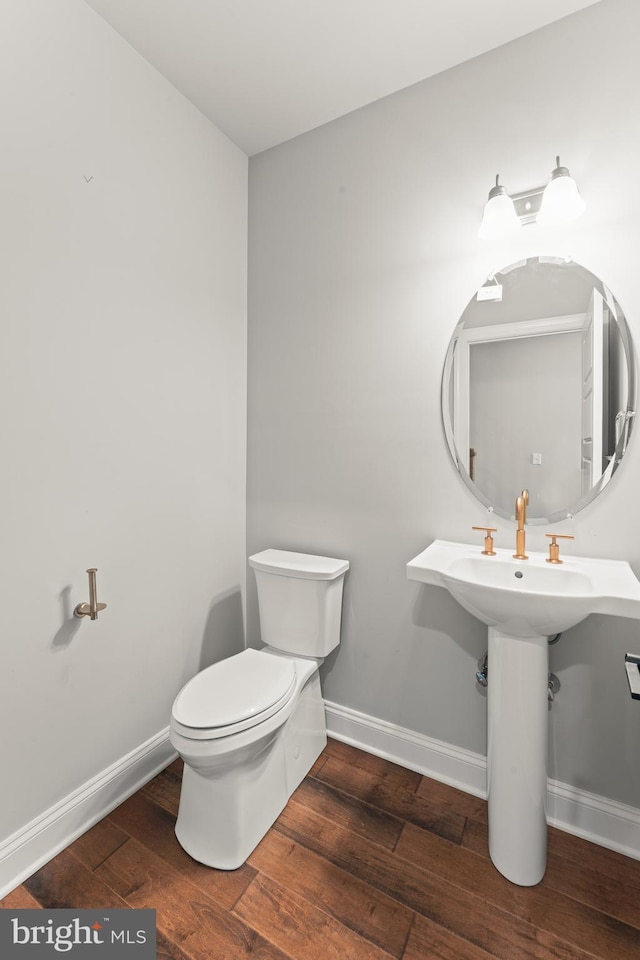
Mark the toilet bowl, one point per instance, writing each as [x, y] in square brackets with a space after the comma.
[250, 727]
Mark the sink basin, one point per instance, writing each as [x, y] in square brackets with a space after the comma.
[528, 598]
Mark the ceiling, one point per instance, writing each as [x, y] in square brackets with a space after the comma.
[264, 71]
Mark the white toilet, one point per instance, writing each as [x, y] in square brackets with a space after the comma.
[249, 728]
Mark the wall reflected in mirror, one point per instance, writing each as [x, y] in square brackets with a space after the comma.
[539, 389]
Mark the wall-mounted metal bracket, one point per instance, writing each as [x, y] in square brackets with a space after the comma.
[92, 608]
[527, 204]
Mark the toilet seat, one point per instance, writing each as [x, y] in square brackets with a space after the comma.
[233, 695]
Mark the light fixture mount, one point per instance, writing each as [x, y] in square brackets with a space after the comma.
[559, 171]
[499, 190]
[527, 204]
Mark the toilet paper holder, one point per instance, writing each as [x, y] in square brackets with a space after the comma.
[92, 608]
[632, 665]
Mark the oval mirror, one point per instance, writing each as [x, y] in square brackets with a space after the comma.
[538, 389]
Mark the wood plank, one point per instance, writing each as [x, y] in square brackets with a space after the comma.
[363, 819]
[98, 843]
[167, 950]
[389, 793]
[368, 912]
[18, 899]
[153, 827]
[200, 927]
[541, 906]
[461, 911]
[465, 804]
[598, 891]
[610, 863]
[379, 766]
[475, 837]
[65, 882]
[164, 790]
[298, 928]
[428, 940]
[318, 765]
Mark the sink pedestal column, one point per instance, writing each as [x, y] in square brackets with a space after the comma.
[517, 715]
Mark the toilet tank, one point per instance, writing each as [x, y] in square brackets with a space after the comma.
[300, 601]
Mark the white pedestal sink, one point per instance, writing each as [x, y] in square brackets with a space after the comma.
[523, 602]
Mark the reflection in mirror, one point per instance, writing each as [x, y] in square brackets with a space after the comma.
[538, 389]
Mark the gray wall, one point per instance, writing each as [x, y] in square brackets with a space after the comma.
[363, 254]
[122, 399]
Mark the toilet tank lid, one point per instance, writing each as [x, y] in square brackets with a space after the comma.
[303, 566]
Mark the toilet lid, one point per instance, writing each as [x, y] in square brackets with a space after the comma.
[240, 688]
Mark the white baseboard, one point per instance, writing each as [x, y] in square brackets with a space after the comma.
[605, 822]
[36, 843]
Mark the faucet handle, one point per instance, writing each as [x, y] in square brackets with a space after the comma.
[488, 540]
[554, 547]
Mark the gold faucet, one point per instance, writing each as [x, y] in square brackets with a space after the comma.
[521, 519]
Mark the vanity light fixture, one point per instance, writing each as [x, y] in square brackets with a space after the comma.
[556, 203]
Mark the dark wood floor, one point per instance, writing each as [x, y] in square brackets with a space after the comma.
[368, 860]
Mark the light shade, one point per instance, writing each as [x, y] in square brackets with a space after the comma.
[561, 201]
[499, 218]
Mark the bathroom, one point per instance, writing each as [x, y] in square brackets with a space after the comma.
[173, 402]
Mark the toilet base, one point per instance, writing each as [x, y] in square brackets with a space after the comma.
[224, 813]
